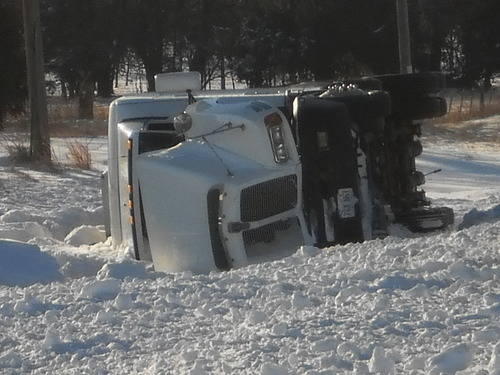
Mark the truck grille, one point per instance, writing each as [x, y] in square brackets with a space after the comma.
[268, 198]
[265, 233]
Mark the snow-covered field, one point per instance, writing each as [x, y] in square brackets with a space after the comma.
[405, 304]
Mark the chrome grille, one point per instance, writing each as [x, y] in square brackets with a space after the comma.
[268, 198]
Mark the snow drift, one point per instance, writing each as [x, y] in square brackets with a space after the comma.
[404, 304]
[24, 264]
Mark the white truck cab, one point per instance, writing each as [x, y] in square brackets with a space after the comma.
[209, 185]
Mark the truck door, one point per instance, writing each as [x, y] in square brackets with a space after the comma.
[141, 142]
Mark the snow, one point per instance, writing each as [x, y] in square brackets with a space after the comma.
[475, 216]
[380, 363]
[126, 268]
[101, 290]
[451, 360]
[24, 264]
[494, 365]
[272, 369]
[86, 235]
[417, 304]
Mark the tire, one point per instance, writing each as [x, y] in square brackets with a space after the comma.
[425, 219]
[379, 104]
[366, 83]
[412, 84]
[425, 107]
[365, 107]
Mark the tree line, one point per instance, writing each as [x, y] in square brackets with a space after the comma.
[89, 43]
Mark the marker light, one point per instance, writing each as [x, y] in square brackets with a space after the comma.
[274, 127]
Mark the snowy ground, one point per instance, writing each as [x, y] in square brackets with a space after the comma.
[405, 304]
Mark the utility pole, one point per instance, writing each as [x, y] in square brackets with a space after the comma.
[39, 139]
[405, 65]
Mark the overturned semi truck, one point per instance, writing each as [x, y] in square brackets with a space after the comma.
[205, 180]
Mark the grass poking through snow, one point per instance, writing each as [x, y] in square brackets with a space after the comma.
[79, 154]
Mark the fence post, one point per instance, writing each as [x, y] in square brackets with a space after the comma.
[481, 100]
[471, 102]
[461, 102]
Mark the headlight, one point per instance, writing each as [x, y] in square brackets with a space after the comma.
[182, 123]
[274, 126]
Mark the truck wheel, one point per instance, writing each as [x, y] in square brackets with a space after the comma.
[425, 219]
[366, 83]
[412, 84]
[378, 104]
[420, 108]
[365, 107]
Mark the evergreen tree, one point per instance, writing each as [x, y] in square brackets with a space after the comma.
[13, 90]
[480, 32]
[83, 46]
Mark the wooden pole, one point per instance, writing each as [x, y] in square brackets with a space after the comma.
[39, 139]
[222, 72]
[405, 65]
